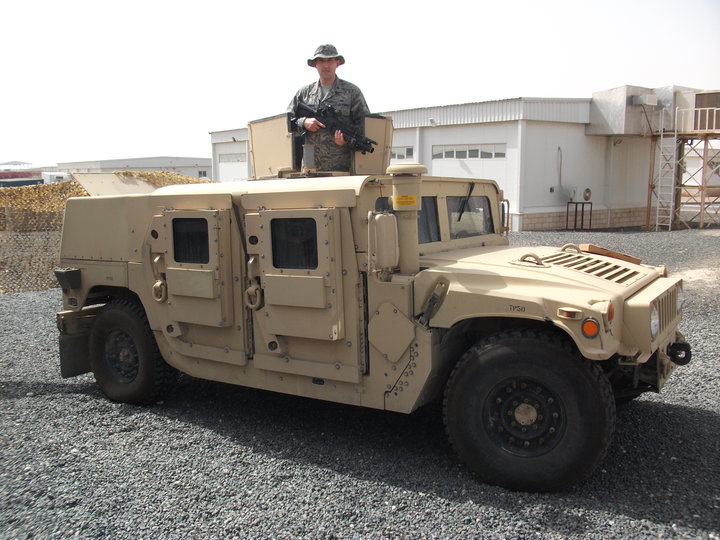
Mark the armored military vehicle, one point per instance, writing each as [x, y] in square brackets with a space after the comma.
[387, 290]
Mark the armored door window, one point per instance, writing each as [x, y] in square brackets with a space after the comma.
[294, 243]
[190, 240]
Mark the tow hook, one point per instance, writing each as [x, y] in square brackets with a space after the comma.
[679, 353]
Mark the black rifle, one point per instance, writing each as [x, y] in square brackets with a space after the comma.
[329, 116]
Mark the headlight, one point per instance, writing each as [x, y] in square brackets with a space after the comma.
[680, 297]
[654, 321]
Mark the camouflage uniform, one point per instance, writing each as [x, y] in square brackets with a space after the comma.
[350, 104]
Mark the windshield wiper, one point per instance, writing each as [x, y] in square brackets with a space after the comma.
[465, 201]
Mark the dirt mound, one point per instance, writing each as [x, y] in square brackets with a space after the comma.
[41, 197]
[163, 178]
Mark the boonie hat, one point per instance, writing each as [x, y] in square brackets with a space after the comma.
[325, 51]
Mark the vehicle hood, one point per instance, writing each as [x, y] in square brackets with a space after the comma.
[544, 266]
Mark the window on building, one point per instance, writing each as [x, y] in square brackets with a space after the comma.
[230, 158]
[202, 174]
[190, 240]
[401, 152]
[469, 151]
[294, 243]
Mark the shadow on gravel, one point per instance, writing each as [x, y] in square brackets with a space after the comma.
[23, 389]
[663, 464]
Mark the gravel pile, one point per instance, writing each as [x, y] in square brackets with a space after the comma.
[217, 461]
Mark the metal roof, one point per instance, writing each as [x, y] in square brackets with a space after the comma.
[565, 110]
[153, 161]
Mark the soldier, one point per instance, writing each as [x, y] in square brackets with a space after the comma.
[331, 151]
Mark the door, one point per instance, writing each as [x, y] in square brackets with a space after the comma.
[307, 317]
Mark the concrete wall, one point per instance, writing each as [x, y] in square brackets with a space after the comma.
[616, 170]
[555, 158]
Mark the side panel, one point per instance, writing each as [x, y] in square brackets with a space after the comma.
[98, 228]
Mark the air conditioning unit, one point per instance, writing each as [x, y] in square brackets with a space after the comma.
[649, 100]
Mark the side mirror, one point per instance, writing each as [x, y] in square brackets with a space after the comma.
[383, 241]
[504, 215]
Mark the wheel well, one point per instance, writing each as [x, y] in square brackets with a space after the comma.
[469, 331]
[102, 294]
[455, 341]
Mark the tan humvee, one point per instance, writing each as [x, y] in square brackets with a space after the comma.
[380, 290]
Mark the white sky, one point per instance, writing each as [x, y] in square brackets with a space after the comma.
[86, 80]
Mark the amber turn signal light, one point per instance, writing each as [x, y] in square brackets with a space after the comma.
[590, 328]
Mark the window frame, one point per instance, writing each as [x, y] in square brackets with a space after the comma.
[464, 151]
[190, 244]
[408, 152]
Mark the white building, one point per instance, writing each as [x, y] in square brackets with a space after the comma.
[197, 167]
[15, 166]
[561, 162]
[230, 154]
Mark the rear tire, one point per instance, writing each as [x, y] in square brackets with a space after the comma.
[525, 411]
[124, 356]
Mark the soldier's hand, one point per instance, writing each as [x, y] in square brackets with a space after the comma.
[313, 124]
[339, 138]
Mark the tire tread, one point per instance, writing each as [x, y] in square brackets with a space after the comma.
[163, 375]
[595, 371]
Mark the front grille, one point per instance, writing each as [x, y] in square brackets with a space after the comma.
[666, 305]
[610, 271]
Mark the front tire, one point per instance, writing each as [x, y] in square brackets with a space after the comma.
[124, 356]
[525, 411]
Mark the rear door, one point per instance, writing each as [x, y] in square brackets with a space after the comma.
[306, 299]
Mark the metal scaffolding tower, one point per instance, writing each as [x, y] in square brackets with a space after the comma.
[665, 185]
[684, 190]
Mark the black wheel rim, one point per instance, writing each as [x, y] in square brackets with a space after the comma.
[524, 417]
[122, 356]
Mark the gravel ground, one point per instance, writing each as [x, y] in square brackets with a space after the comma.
[217, 461]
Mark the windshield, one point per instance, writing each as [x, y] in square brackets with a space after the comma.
[471, 219]
[467, 216]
